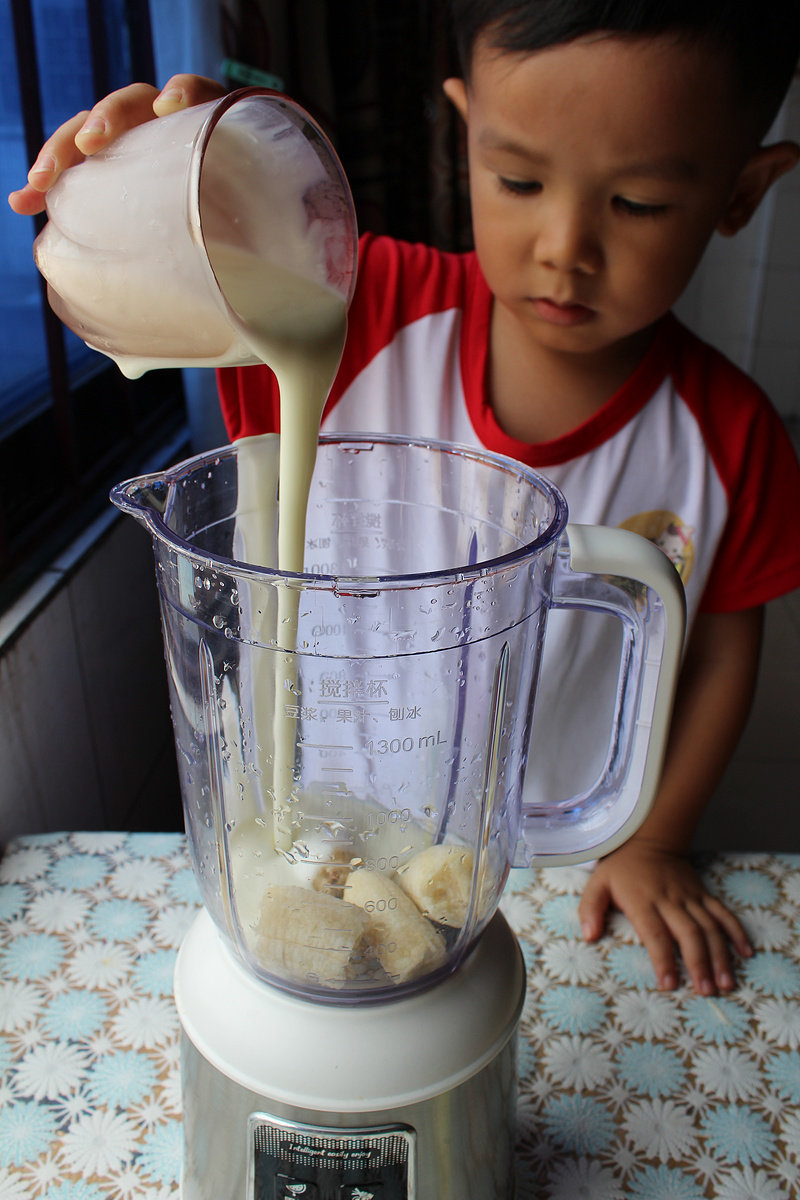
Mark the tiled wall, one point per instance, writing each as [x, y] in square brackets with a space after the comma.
[745, 298]
[85, 735]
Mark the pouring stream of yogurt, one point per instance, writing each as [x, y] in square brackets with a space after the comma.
[298, 328]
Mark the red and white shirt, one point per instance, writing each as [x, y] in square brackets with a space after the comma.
[688, 452]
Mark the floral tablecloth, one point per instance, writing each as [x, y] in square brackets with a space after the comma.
[625, 1093]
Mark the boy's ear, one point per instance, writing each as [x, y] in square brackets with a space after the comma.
[757, 175]
[456, 92]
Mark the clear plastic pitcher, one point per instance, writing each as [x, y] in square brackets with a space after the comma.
[352, 741]
[147, 241]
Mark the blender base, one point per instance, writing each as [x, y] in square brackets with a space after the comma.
[411, 1099]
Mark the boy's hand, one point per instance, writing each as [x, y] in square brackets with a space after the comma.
[88, 132]
[664, 899]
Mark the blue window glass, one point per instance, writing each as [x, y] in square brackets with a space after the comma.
[23, 355]
[69, 422]
[66, 85]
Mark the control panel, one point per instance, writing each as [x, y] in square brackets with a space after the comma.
[290, 1161]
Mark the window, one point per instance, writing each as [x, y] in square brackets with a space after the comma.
[70, 423]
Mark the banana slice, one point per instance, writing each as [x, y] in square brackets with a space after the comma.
[310, 936]
[404, 943]
[439, 881]
[331, 876]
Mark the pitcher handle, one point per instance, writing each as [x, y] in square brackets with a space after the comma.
[618, 572]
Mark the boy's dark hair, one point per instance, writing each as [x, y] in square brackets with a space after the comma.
[761, 39]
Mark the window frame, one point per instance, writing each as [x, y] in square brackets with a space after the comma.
[90, 426]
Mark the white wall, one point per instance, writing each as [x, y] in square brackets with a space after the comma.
[745, 299]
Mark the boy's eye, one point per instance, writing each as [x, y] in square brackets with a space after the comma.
[519, 187]
[633, 208]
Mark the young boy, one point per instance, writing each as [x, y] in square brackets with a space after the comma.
[607, 142]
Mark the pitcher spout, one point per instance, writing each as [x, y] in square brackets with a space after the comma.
[142, 498]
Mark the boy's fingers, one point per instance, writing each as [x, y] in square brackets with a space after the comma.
[592, 909]
[659, 943]
[57, 153]
[702, 948]
[184, 91]
[732, 926]
[87, 132]
[113, 115]
[692, 924]
[27, 201]
[83, 134]
[702, 939]
[716, 932]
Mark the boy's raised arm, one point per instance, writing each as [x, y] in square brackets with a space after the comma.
[90, 131]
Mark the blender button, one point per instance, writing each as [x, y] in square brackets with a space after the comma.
[369, 1191]
[289, 1188]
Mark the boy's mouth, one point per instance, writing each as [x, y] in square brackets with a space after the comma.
[561, 314]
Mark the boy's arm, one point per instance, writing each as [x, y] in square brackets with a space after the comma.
[649, 878]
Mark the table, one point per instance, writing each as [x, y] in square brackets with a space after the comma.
[625, 1093]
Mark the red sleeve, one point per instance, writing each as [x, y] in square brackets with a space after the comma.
[758, 557]
[249, 400]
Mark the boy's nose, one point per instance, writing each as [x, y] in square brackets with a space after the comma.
[567, 240]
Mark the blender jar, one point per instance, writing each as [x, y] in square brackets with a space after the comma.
[352, 739]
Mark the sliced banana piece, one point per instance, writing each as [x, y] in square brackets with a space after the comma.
[310, 936]
[404, 943]
[439, 881]
[331, 876]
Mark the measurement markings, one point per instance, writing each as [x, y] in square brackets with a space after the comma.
[327, 819]
[324, 746]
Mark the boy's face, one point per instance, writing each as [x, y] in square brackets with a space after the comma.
[598, 171]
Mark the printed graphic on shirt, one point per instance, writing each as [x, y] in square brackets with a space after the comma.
[667, 531]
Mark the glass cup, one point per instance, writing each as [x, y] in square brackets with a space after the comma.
[145, 240]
